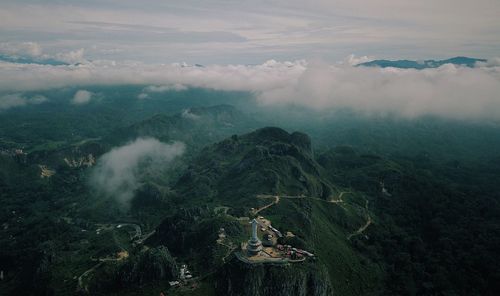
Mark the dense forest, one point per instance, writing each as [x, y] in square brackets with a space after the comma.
[429, 186]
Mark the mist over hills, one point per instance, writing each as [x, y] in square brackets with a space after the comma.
[236, 148]
[442, 88]
[376, 199]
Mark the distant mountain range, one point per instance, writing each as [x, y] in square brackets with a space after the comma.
[30, 60]
[409, 64]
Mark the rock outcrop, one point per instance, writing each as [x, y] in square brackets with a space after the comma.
[242, 279]
[152, 265]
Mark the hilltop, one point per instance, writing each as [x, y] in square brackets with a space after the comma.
[266, 161]
[238, 173]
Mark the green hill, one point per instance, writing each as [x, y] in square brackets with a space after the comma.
[270, 160]
[193, 126]
[267, 161]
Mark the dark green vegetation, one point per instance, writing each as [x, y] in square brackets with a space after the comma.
[407, 64]
[58, 122]
[268, 161]
[426, 191]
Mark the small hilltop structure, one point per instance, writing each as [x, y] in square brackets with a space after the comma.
[254, 245]
[267, 249]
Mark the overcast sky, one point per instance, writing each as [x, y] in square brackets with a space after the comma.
[250, 32]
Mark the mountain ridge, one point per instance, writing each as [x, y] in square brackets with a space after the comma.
[412, 64]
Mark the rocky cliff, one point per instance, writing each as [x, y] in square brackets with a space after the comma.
[238, 278]
[152, 265]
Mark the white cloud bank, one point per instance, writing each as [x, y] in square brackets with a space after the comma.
[160, 89]
[34, 51]
[30, 49]
[164, 88]
[117, 172]
[449, 91]
[71, 57]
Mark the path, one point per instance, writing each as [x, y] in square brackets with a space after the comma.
[365, 226]
[230, 249]
[339, 200]
[145, 237]
[112, 227]
[276, 201]
[85, 274]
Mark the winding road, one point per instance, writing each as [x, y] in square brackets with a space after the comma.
[339, 200]
[137, 237]
[85, 274]
[277, 199]
[365, 226]
[359, 231]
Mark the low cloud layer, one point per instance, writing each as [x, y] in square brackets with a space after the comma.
[160, 89]
[164, 88]
[27, 49]
[449, 91]
[33, 52]
[117, 173]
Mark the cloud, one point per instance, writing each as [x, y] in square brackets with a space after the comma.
[118, 172]
[37, 99]
[142, 96]
[29, 49]
[189, 115]
[494, 62]
[71, 57]
[170, 76]
[353, 60]
[448, 91]
[248, 32]
[10, 101]
[164, 88]
[32, 52]
[16, 100]
[82, 97]
[159, 89]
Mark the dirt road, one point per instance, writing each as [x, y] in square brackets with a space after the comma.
[276, 201]
[365, 226]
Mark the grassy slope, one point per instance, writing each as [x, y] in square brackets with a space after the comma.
[324, 228]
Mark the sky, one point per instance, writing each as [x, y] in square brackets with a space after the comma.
[249, 32]
[283, 51]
